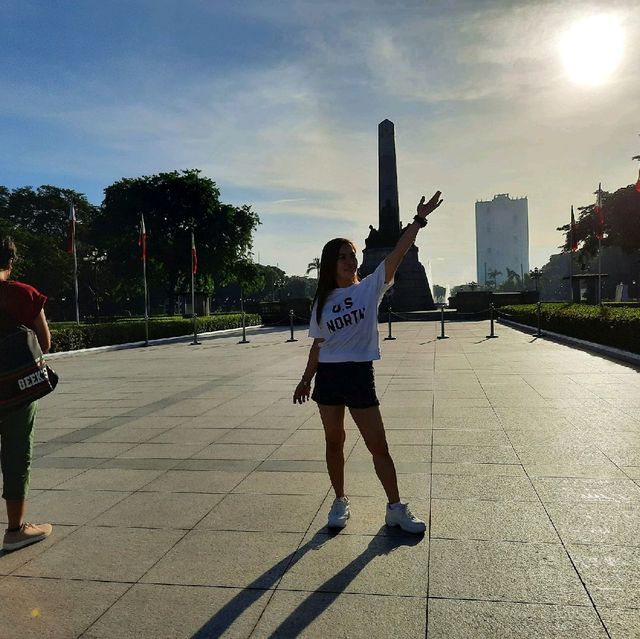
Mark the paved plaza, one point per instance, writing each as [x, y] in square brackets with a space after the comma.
[189, 496]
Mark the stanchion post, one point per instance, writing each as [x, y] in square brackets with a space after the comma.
[539, 313]
[442, 335]
[492, 335]
[389, 337]
[292, 338]
[244, 339]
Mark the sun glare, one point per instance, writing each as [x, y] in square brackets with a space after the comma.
[592, 49]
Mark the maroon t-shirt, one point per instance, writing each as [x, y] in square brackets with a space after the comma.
[22, 302]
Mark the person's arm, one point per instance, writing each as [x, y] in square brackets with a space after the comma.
[41, 329]
[303, 389]
[407, 239]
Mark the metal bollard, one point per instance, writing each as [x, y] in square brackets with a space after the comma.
[195, 332]
[539, 311]
[292, 338]
[493, 335]
[442, 335]
[244, 339]
[389, 336]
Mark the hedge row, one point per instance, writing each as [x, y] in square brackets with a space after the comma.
[73, 337]
[613, 326]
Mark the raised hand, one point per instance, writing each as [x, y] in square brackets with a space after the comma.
[424, 208]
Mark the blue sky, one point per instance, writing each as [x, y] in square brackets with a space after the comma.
[279, 101]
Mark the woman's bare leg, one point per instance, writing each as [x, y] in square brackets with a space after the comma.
[334, 435]
[369, 423]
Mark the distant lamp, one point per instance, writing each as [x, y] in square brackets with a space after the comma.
[536, 274]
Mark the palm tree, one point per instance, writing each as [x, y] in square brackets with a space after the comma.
[314, 265]
[493, 274]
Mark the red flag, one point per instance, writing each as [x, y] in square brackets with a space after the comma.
[574, 239]
[638, 183]
[70, 245]
[142, 239]
[599, 215]
[194, 255]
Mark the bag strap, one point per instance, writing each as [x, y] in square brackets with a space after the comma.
[7, 322]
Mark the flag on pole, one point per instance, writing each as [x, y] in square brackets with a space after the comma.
[599, 215]
[70, 246]
[574, 238]
[638, 182]
[142, 239]
[194, 255]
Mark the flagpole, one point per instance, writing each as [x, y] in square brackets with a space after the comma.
[600, 232]
[75, 262]
[142, 242]
[193, 290]
[146, 304]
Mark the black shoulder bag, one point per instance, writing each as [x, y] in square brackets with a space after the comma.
[24, 373]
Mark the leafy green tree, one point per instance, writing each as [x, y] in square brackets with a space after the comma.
[493, 275]
[38, 221]
[173, 205]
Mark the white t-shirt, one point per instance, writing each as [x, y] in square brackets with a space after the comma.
[349, 320]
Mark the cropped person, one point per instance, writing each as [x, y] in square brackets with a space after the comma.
[344, 325]
[19, 304]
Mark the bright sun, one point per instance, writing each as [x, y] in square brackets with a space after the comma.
[592, 49]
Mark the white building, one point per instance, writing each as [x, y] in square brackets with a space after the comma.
[502, 237]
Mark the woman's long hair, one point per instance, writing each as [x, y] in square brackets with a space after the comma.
[328, 266]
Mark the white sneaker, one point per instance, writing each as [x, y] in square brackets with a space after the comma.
[403, 517]
[339, 513]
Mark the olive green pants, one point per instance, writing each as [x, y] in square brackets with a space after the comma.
[16, 443]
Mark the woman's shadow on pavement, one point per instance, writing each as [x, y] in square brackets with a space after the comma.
[312, 607]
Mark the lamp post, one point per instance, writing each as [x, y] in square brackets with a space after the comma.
[536, 274]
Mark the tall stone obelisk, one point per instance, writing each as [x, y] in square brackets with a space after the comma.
[411, 289]
[388, 206]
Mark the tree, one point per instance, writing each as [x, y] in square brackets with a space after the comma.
[493, 274]
[173, 205]
[314, 265]
[38, 220]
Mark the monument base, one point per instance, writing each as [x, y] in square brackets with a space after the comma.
[411, 290]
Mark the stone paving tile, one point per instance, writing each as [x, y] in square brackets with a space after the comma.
[490, 520]
[385, 565]
[357, 616]
[162, 451]
[53, 608]
[285, 483]
[226, 558]
[181, 612]
[109, 479]
[103, 554]
[597, 522]
[454, 619]
[183, 435]
[195, 481]
[251, 512]
[52, 477]
[468, 468]
[580, 490]
[72, 507]
[621, 624]
[159, 510]
[503, 571]
[610, 573]
[482, 487]
[236, 451]
[475, 454]
[257, 436]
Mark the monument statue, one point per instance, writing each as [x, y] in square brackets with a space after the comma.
[411, 290]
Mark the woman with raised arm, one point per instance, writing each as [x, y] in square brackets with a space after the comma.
[344, 325]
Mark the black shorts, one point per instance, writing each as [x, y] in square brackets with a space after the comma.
[349, 384]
